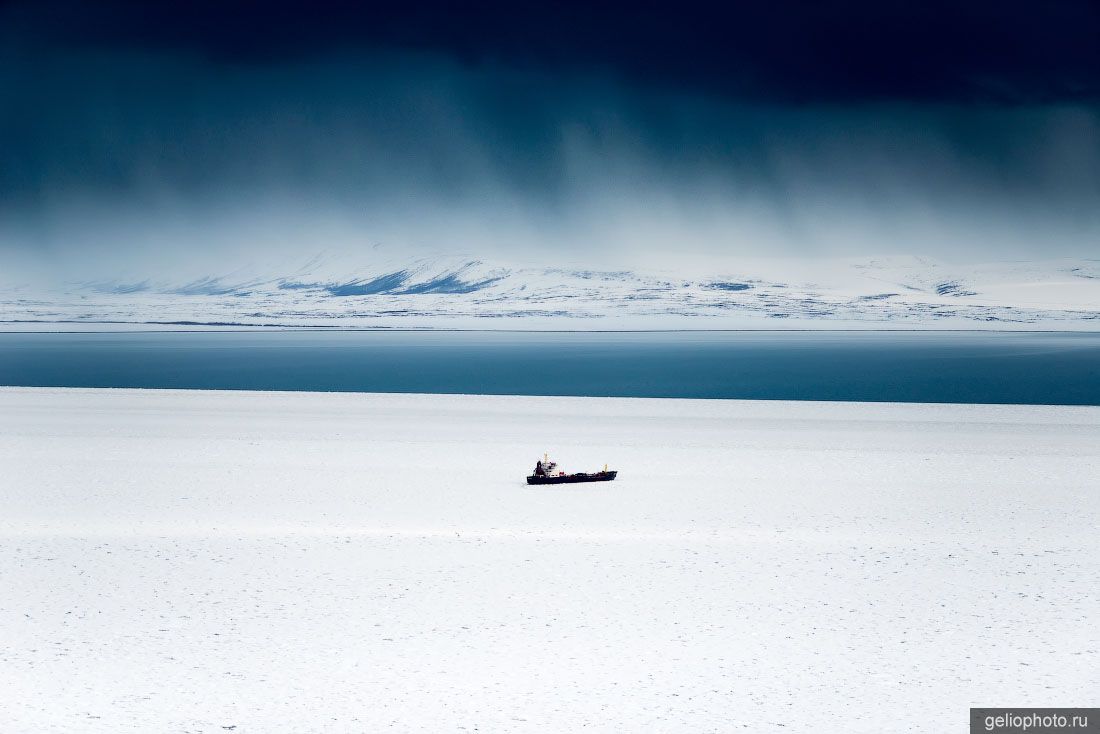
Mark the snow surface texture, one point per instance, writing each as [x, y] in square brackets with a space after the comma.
[267, 562]
[458, 292]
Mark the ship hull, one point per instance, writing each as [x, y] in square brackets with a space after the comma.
[602, 476]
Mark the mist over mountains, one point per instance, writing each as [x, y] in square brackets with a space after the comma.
[211, 150]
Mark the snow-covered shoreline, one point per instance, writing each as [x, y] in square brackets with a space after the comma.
[528, 325]
[462, 292]
[194, 561]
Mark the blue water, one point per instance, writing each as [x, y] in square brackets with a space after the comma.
[1034, 368]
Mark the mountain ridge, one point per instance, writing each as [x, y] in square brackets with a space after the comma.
[440, 291]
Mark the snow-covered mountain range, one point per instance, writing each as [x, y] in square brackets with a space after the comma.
[464, 292]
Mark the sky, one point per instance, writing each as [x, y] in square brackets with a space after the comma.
[617, 133]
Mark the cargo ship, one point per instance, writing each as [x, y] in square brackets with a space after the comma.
[546, 472]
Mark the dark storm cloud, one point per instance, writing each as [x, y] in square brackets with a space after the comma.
[777, 127]
[779, 50]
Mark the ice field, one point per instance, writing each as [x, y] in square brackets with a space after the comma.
[260, 562]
